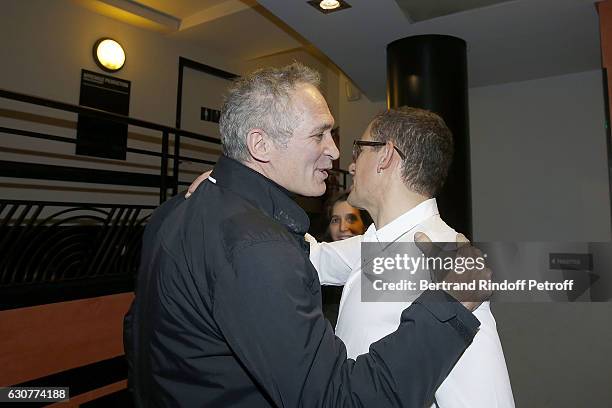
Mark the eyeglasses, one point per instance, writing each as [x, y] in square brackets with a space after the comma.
[358, 145]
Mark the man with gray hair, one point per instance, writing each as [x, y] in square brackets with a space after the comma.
[228, 307]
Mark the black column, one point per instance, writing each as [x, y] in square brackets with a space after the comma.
[430, 72]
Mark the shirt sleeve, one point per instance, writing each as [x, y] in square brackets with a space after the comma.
[334, 261]
[268, 309]
[480, 377]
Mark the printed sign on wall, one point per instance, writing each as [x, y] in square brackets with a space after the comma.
[99, 137]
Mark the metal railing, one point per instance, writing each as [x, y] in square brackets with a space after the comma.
[52, 251]
[49, 246]
[64, 173]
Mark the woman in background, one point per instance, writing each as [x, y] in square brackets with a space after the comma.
[344, 221]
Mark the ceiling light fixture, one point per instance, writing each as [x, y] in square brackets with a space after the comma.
[329, 6]
[108, 54]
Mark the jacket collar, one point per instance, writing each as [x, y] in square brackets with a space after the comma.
[274, 200]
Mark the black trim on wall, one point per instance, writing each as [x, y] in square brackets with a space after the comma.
[187, 63]
[15, 297]
[77, 174]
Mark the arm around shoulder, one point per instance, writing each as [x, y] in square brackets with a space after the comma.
[268, 308]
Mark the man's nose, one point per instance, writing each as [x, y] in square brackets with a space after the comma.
[351, 168]
[331, 149]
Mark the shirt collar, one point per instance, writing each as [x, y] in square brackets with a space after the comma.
[402, 224]
[274, 200]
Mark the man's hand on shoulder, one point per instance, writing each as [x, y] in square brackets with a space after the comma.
[192, 188]
[458, 279]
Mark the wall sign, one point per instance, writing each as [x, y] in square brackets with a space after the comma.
[210, 115]
[576, 262]
[99, 137]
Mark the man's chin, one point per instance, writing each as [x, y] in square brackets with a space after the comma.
[315, 191]
[355, 202]
[352, 198]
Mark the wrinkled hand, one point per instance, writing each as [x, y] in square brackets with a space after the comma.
[471, 299]
[196, 183]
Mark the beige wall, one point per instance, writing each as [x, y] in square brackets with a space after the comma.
[354, 117]
[50, 43]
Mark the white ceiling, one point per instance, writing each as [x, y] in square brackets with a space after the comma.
[507, 41]
[180, 8]
[244, 35]
[419, 10]
[239, 30]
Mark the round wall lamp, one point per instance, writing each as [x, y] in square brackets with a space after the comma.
[108, 54]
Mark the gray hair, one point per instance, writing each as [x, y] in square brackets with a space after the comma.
[262, 100]
[425, 140]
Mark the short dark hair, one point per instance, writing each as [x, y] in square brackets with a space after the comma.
[425, 140]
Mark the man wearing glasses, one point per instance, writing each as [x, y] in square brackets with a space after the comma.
[399, 164]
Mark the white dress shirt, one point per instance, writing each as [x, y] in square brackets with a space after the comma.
[479, 379]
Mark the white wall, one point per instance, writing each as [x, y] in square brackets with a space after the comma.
[559, 355]
[539, 160]
[540, 172]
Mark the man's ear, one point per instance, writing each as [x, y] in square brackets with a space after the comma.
[384, 161]
[259, 144]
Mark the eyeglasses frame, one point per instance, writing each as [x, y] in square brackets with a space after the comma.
[357, 145]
